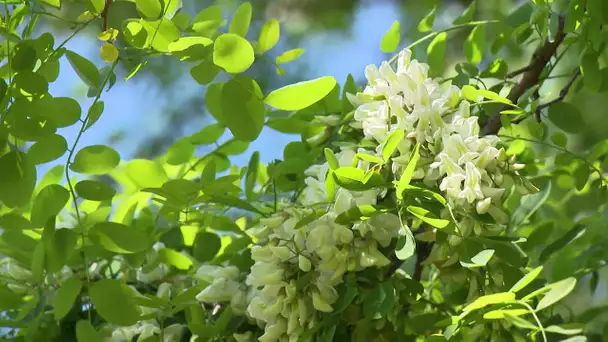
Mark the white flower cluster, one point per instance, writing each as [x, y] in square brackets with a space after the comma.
[298, 266]
[320, 253]
[467, 167]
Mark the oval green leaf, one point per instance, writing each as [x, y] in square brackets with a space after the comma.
[301, 95]
[49, 202]
[95, 160]
[243, 111]
[233, 53]
[390, 40]
[269, 35]
[114, 302]
[47, 149]
[93, 190]
[119, 238]
[241, 20]
[66, 296]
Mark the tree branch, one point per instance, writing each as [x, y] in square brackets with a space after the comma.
[531, 75]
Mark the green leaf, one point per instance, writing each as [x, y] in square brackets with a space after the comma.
[30, 83]
[62, 111]
[17, 179]
[391, 143]
[208, 20]
[528, 205]
[160, 33]
[564, 330]
[135, 33]
[495, 298]
[86, 70]
[331, 159]
[520, 322]
[289, 56]
[54, 3]
[475, 45]
[205, 72]
[175, 258]
[150, 9]
[269, 36]
[12, 220]
[501, 313]
[406, 176]
[96, 6]
[49, 202]
[526, 280]
[436, 52]
[190, 49]
[471, 93]
[93, 190]
[180, 152]
[206, 246]
[390, 40]
[406, 246]
[497, 69]
[346, 298]
[566, 117]
[369, 158]
[119, 238]
[426, 24]
[95, 160]
[208, 134]
[241, 20]
[233, 53]
[47, 149]
[38, 260]
[252, 175]
[243, 111]
[590, 70]
[66, 296]
[466, 16]
[94, 113]
[59, 249]
[85, 332]
[114, 302]
[302, 94]
[351, 178]
[481, 259]
[427, 217]
[233, 202]
[559, 139]
[558, 291]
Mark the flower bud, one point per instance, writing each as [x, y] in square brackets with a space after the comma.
[304, 263]
[483, 206]
[320, 304]
[273, 221]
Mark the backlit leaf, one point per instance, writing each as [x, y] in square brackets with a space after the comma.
[93, 190]
[475, 45]
[119, 238]
[47, 149]
[241, 20]
[49, 202]
[289, 56]
[66, 296]
[233, 53]
[427, 217]
[390, 40]
[558, 291]
[302, 94]
[242, 108]
[86, 70]
[95, 160]
[426, 24]
[114, 302]
[269, 35]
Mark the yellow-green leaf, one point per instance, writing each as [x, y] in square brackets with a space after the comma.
[233, 53]
[289, 56]
[66, 296]
[241, 20]
[390, 40]
[269, 35]
[301, 95]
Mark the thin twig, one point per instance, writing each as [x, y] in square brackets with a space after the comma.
[563, 93]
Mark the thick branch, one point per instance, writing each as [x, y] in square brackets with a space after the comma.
[531, 75]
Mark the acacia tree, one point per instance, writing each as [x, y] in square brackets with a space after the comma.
[413, 208]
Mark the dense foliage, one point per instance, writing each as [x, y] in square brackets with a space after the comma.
[414, 207]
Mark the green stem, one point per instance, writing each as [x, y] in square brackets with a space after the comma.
[69, 181]
[433, 34]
